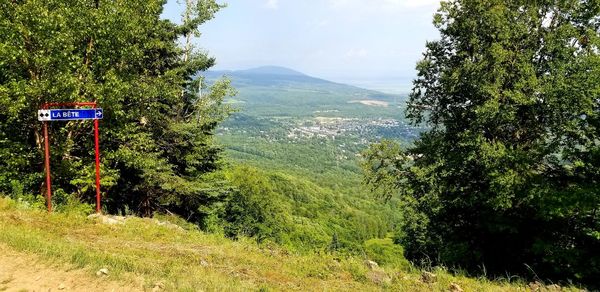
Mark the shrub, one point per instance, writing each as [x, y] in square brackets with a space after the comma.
[385, 252]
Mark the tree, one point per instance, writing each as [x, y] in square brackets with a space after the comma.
[156, 136]
[254, 210]
[507, 176]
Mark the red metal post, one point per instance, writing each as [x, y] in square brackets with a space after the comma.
[96, 138]
[47, 152]
[47, 160]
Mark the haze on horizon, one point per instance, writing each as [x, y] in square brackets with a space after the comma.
[374, 44]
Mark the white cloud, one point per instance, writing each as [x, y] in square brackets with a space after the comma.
[356, 53]
[272, 4]
[318, 23]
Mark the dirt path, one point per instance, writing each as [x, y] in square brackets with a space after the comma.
[24, 272]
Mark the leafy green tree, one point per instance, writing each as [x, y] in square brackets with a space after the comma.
[156, 136]
[254, 210]
[507, 177]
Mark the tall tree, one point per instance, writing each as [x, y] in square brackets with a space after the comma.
[156, 136]
[507, 177]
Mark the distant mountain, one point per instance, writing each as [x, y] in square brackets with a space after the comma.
[272, 70]
[280, 91]
[282, 77]
[266, 76]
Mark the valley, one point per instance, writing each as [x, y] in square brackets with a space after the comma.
[308, 133]
[279, 105]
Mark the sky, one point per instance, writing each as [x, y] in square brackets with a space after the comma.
[369, 43]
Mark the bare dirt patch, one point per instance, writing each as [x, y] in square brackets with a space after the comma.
[24, 272]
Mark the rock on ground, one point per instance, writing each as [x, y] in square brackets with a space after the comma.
[371, 265]
[108, 219]
[428, 277]
[379, 277]
[455, 288]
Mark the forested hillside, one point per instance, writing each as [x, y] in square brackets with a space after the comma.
[304, 135]
[485, 176]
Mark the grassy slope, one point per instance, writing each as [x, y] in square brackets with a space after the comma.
[189, 260]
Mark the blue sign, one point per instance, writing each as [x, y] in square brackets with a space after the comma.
[70, 114]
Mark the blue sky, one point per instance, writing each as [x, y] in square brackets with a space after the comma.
[370, 43]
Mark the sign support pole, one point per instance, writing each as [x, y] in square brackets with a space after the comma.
[46, 114]
[96, 138]
[47, 161]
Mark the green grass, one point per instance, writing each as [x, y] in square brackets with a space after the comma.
[142, 249]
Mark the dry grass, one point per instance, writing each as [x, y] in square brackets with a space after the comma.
[189, 260]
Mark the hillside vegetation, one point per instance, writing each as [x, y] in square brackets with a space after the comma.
[491, 165]
[508, 174]
[302, 136]
[151, 254]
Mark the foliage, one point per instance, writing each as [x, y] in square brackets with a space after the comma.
[384, 252]
[157, 133]
[253, 209]
[299, 214]
[507, 178]
[320, 200]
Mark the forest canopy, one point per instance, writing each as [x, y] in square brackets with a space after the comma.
[157, 147]
[506, 179]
